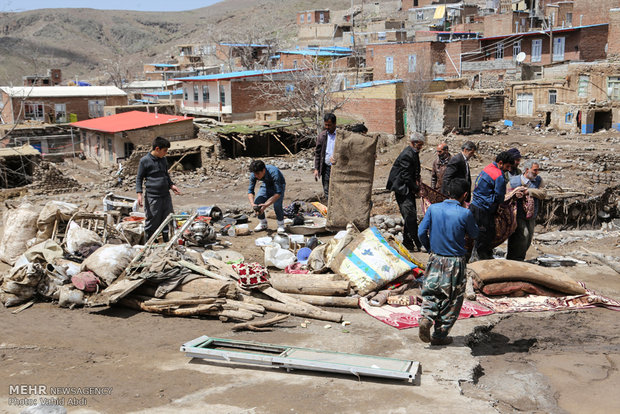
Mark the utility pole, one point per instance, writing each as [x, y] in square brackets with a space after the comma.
[551, 39]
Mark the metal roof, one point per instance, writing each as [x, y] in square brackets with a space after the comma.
[243, 45]
[546, 32]
[377, 83]
[235, 75]
[189, 143]
[332, 48]
[18, 151]
[165, 65]
[164, 93]
[150, 84]
[317, 52]
[60, 91]
[128, 121]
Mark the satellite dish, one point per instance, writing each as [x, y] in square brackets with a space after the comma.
[521, 57]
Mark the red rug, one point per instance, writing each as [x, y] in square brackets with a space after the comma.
[403, 317]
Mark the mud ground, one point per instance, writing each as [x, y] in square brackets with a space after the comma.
[530, 362]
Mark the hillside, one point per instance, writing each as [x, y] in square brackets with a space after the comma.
[86, 43]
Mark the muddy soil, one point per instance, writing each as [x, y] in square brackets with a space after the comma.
[534, 362]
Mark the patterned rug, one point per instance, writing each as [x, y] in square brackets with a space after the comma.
[403, 317]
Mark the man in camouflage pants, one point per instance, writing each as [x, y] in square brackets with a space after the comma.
[442, 232]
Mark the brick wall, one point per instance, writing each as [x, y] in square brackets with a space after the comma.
[593, 11]
[454, 50]
[427, 54]
[613, 37]
[174, 132]
[591, 43]
[247, 98]
[498, 24]
[493, 108]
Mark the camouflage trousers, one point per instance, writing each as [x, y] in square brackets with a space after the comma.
[443, 291]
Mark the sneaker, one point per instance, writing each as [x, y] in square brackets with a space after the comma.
[281, 228]
[262, 225]
[441, 341]
[425, 330]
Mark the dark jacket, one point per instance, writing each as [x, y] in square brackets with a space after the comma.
[439, 169]
[319, 151]
[456, 168]
[155, 171]
[405, 173]
[490, 188]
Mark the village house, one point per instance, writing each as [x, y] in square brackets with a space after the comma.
[304, 58]
[18, 165]
[308, 17]
[113, 138]
[460, 110]
[166, 71]
[57, 104]
[237, 56]
[230, 96]
[53, 78]
[400, 60]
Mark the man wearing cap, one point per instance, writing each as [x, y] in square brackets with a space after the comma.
[439, 166]
[458, 167]
[404, 180]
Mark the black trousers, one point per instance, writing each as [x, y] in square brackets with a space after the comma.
[327, 170]
[156, 210]
[486, 224]
[407, 207]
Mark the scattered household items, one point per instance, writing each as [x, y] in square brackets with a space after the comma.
[553, 260]
[214, 212]
[200, 233]
[311, 226]
[121, 204]
[350, 183]
[288, 357]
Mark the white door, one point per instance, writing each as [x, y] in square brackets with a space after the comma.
[525, 104]
[558, 49]
[536, 50]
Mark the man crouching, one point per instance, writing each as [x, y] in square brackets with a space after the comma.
[442, 232]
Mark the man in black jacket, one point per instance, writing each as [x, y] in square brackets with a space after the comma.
[458, 167]
[157, 202]
[324, 152]
[404, 180]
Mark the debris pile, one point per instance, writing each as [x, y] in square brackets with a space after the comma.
[48, 179]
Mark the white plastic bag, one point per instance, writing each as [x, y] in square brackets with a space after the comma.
[78, 237]
[20, 225]
[278, 257]
[109, 261]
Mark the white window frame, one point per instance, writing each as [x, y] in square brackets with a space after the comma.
[322, 18]
[559, 46]
[95, 108]
[34, 111]
[569, 19]
[60, 111]
[196, 94]
[389, 64]
[525, 104]
[516, 48]
[499, 51]
[302, 17]
[309, 17]
[553, 96]
[583, 86]
[205, 94]
[613, 88]
[419, 15]
[536, 50]
[464, 116]
[412, 63]
[222, 95]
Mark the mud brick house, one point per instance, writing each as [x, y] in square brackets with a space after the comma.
[236, 56]
[57, 104]
[399, 60]
[53, 78]
[114, 137]
[309, 17]
[456, 109]
[303, 58]
[230, 96]
[166, 71]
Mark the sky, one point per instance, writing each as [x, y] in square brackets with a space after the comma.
[142, 5]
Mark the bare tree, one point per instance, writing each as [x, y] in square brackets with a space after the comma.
[417, 84]
[116, 71]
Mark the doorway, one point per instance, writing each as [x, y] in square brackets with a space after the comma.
[602, 120]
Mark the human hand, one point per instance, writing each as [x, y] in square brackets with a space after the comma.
[175, 190]
[316, 175]
[140, 200]
[332, 160]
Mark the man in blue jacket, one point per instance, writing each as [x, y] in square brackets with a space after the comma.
[270, 193]
[488, 194]
[442, 232]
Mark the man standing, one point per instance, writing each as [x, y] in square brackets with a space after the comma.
[442, 232]
[270, 193]
[514, 171]
[527, 210]
[488, 194]
[404, 180]
[458, 167]
[439, 166]
[157, 201]
[324, 152]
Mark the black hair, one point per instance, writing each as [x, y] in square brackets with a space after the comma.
[457, 187]
[161, 142]
[505, 157]
[329, 117]
[469, 145]
[257, 166]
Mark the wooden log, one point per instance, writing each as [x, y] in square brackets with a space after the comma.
[202, 271]
[209, 287]
[296, 310]
[182, 302]
[236, 314]
[208, 309]
[320, 277]
[259, 326]
[246, 306]
[309, 286]
[337, 301]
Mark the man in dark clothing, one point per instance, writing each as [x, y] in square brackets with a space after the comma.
[442, 232]
[404, 180]
[458, 167]
[488, 195]
[324, 152]
[270, 193]
[439, 166]
[157, 202]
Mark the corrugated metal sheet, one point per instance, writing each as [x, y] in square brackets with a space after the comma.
[150, 84]
[128, 121]
[235, 75]
[60, 91]
[18, 151]
[377, 83]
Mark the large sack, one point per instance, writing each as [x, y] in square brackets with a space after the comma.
[493, 271]
[52, 211]
[20, 225]
[20, 284]
[109, 261]
[369, 262]
[78, 237]
[350, 183]
[323, 255]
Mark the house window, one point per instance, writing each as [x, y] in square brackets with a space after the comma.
[195, 93]
[536, 50]
[553, 96]
[464, 111]
[412, 63]
[222, 95]
[301, 18]
[389, 64]
[95, 108]
[525, 104]
[582, 88]
[516, 48]
[309, 18]
[294, 64]
[110, 150]
[569, 19]
[568, 118]
[322, 18]
[185, 94]
[128, 147]
[499, 52]
[419, 15]
[558, 48]
[613, 87]
[34, 111]
[61, 112]
[372, 53]
[381, 36]
[205, 94]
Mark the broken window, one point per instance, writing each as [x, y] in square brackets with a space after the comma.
[389, 64]
[34, 111]
[464, 111]
[95, 108]
[309, 18]
[613, 87]
[381, 36]
[185, 94]
[569, 19]
[582, 88]
[412, 63]
[419, 15]
[568, 118]
[536, 50]
[301, 18]
[60, 112]
[322, 18]
[553, 96]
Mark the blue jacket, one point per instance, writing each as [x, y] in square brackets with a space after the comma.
[490, 189]
[273, 181]
[446, 224]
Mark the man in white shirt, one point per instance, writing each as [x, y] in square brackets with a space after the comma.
[324, 152]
